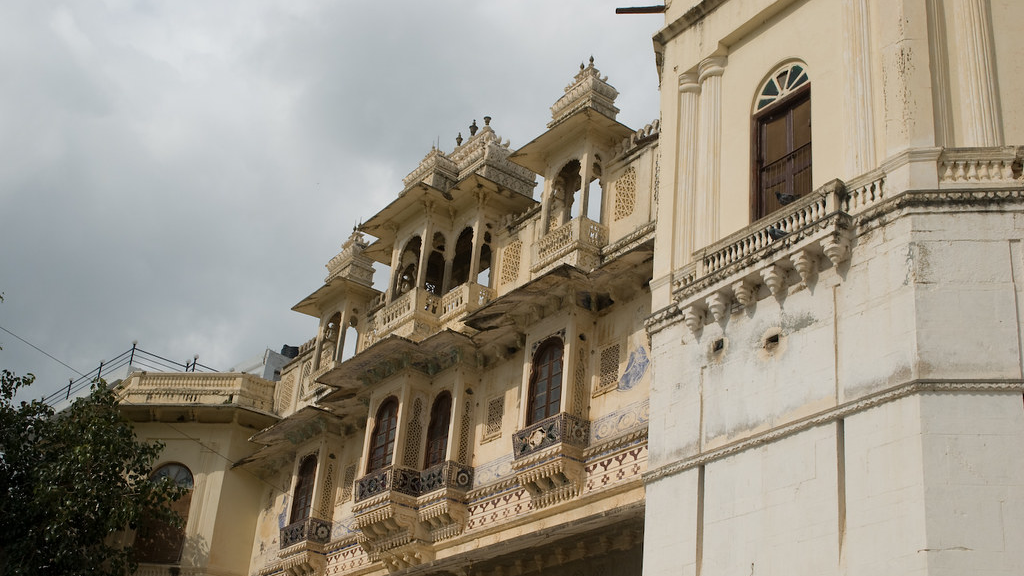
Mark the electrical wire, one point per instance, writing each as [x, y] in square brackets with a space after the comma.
[118, 362]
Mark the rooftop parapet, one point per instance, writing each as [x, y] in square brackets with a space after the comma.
[350, 263]
[588, 90]
[196, 388]
[484, 153]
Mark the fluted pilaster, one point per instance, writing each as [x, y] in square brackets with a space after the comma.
[689, 96]
[706, 207]
[858, 94]
[979, 94]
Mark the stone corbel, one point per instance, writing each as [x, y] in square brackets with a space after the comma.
[837, 246]
[744, 292]
[718, 305]
[805, 265]
[693, 316]
[774, 278]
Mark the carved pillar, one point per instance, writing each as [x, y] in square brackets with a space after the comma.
[346, 313]
[478, 237]
[685, 219]
[545, 203]
[425, 249]
[857, 96]
[706, 207]
[449, 255]
[979, 92]
[396, 256]
[319, 346]
[586, 163]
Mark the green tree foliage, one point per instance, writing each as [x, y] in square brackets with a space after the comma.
[73, 484]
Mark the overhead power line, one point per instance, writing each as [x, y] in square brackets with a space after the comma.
[51, 356]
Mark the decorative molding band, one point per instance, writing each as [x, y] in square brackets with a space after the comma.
[913, 387]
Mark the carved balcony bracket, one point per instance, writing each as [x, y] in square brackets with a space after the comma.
[806, 265]
[837, 247]
[719, 305]
[548, 458]
[774, 278]
[693, 316]
[745, 292]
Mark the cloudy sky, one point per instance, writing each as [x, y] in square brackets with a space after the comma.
[178, 173]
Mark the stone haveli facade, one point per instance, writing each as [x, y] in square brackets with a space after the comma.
[777, 331]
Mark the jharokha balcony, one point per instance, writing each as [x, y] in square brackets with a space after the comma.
[577, 242]
[548, 458]
[399, 510]
[309, 530]
[419, 313]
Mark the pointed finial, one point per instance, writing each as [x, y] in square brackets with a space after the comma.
[473, 128]
[582, 67]
[591, 59]
[487, 120]
[458, 139]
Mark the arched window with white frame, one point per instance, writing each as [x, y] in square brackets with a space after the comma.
[782, 139]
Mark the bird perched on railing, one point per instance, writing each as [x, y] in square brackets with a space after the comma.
[785, 198]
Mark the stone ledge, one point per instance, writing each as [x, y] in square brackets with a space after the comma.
[831, 415]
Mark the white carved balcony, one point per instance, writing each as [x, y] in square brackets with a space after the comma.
[462, 300]
[413, 315]
[761, 260]
[577, 242]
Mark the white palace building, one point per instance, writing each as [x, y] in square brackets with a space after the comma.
[776, 332]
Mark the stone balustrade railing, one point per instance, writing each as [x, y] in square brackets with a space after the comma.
[579, 234]
[966, 167]
[464, 299]
[816, 212]
[200, 388]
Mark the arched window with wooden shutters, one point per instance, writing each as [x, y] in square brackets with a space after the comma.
[437, 431]
[159, 542]
[545, 392]
[782, 139]
[302, 495]
[382, 442]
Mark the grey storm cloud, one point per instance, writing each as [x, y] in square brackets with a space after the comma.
[178, 173]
